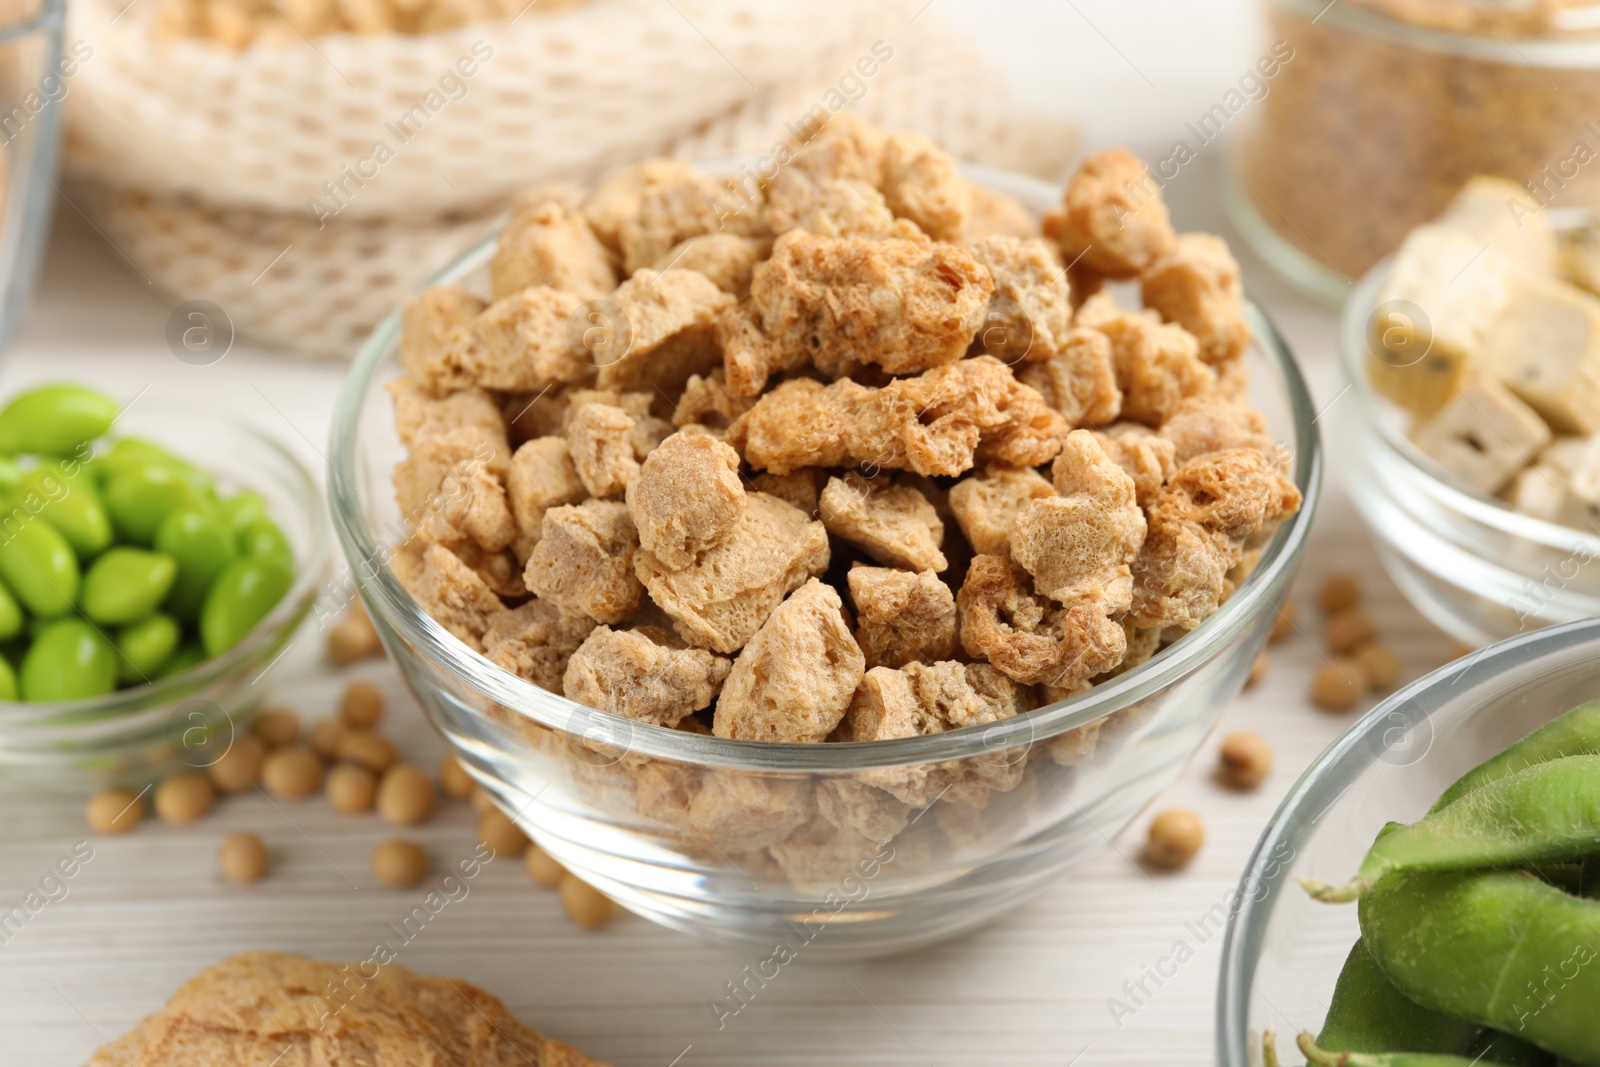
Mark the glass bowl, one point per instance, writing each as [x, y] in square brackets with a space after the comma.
[35, 78]
[1476, 567]
[1283, 950]
[135, 735]
[722, 838]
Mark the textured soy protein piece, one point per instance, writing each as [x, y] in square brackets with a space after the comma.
[600, 443]
[1030, 638]
[1112, 217]
[986, 504]
[1030, 314]
[628, 673]
[549, 244]
[670, 318]
[923, 183]
[1196, 285]
[687, 497]
[1078, 378]
[902, 617]
[583, 563]
[535, 641]
[894, 524]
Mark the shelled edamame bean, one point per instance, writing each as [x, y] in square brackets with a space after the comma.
[120, 562]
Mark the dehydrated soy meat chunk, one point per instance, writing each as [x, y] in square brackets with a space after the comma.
[687, 497]
[1196, 285]
[922, 182]
[683, 204]
[429, 323]
[1030, 314]
[1028, 637]
[722, 598]
[627, 673]
[1147, 456]
[1213, 423]
[846, 150]
[706, 401]
[1079, 379]
[542, 476]
[794, 680]
[521, 342]
[419, 414]
[741, 812]
[843, 302]
[986, 504]
[1112, 217]
[893, 524]
[535, 641]
[549, 244]
[669, 319]
[725, 258]
[902, 617]
[452, 593]
[600, 442]
[1158, 366]
[584, 561]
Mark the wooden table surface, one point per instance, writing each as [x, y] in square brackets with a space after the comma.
[1039, 988]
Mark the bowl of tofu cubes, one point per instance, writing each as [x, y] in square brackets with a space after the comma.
[1472, 439]
[800, 555]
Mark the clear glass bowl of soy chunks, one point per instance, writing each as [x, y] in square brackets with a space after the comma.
[154, 563]
[1429, 893]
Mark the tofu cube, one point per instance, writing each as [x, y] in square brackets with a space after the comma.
[1484, 436]
[1545, 346]
[1500, 213]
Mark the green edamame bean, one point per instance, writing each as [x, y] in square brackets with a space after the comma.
[8, 680]
[242, 509]
[144, 647]
[242, 595]
[129, 453]
[263, 539]
[69, 660]
[126, 584]
[54, 419]
[1320, 1057]
[187, 656]
[1500, 948]
[39, 566]
[1513, 821]
[139, 499]
[202, 545]
[10, 473]
[69, 502]
[1577, 733]
[1368, 1014]
[11, 617]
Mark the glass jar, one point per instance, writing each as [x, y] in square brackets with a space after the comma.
[1384, 108]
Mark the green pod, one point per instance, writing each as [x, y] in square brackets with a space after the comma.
[1368, 1014]
[126, 584]
[139, 499]
[243, 594]
[39, 566]
[1577, 733]
[202, 544]
[144, 647]
[1317, 1056]
[12, 619]
[241, 510]
[70, 503]
[69, 660]
[263, 539]
[1496, 1046]
[54, 420]
[8, 680]
[1548, 813]
[1500, 948]
[187, 656]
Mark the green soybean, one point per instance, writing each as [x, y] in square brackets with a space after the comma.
[126, 584]
[69, 502]
[242, 509]
[140, 498]
[144, 647]
[243, 594]
[10, 473]
[188, 655]
[39, 566]
[263, 539]
[1500, 948]
[54, 419]
[202, 545]
[69, 660]
[130, 453]
[1576, 733]
[12, 620]
[1546, 813]
[1368, 1014]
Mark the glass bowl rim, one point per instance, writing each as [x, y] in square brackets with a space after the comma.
[1495, 514]
[1575, 47]
[70, 714]
[445, 652]
[1322, 784]
[50, 16]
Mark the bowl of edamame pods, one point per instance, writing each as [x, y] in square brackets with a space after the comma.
[145, 592]
[1428, 895]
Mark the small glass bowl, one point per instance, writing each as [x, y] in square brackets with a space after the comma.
[1283, 950]
[722, 838]
[35, 77]
[134, 735]
[1477, 568]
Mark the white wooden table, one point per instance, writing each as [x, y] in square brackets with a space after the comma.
[149, 910]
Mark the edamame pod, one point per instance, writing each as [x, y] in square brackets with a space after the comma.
[139, 499]
[70, 503]
[1577, 733]
[1319, 1057]
[69, 660]
[1546, 813]
[54, 419]
[126, 584]
[144, 647]
[39, 566]
[1495, 1046]
[1368, 1014]
[202, 544]
[243, 594]
[1500, 948]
